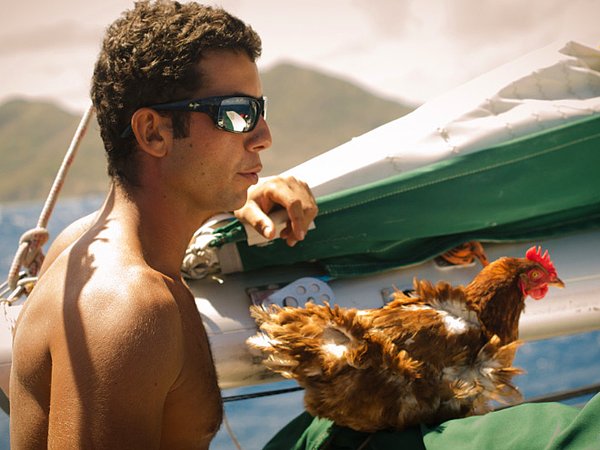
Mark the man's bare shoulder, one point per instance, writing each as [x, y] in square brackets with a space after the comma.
[107, 304]
[114, 336]
[67, 237]
[128, 297]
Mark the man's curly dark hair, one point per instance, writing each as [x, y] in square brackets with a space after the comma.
[149, 56]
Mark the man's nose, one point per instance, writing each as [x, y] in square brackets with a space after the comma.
[261, 136]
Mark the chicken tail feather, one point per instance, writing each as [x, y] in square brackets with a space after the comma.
[304, 342]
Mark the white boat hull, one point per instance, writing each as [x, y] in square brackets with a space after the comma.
[575, 309]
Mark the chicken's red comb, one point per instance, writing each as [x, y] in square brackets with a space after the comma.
[535, 254]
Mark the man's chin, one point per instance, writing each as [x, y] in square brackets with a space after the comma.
[240, 202]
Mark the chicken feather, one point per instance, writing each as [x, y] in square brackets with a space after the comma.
[439, 353]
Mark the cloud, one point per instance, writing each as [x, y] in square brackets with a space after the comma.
[48, 37]
[410, 49]
[387, 18]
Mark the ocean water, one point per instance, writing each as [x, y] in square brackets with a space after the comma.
[552, 365]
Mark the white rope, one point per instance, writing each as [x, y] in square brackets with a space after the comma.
[200, 258]
[230, 432]
[29, 253]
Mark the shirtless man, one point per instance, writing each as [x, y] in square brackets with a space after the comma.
[110, 351]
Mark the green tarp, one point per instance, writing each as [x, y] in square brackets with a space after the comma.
[534, 187]
[549, 426]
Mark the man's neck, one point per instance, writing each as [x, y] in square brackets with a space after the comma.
[156, 227]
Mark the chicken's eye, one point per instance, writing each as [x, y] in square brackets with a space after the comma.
[535, 274]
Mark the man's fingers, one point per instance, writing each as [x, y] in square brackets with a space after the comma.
[256, 217]
[296, 198]
[288, 193]
[299, 220]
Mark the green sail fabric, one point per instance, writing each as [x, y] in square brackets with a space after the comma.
[533, 426]
[538, 186]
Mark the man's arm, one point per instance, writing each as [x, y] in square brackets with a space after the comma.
[111, 376]
[291, 194]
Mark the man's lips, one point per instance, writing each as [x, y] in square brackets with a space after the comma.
[251, 174]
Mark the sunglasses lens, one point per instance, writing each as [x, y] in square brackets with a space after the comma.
[238, 114]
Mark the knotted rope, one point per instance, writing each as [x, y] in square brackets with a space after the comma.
[29, 254]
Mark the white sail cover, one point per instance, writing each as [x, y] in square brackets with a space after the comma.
[552, 86]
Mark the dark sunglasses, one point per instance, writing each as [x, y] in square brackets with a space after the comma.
[233, 113]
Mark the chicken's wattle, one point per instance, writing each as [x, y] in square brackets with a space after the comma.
[538, 292]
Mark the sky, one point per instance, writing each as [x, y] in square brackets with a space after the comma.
[411, 50]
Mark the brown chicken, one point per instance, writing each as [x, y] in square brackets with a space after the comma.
[442, 352]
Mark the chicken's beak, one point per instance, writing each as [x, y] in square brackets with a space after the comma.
[557, 282]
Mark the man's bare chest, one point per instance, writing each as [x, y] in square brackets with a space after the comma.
[196, 394]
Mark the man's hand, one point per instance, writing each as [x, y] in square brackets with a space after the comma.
[291, 194]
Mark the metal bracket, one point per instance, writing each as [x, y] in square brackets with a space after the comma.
[295, 294]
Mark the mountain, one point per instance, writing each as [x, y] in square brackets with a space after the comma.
[34, 137]
[308, 113]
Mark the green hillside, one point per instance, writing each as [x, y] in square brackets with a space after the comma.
[309, 113]
[34, 138]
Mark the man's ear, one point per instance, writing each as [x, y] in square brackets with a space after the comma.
[154, 133]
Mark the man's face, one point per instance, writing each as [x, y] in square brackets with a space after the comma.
[215, 167]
